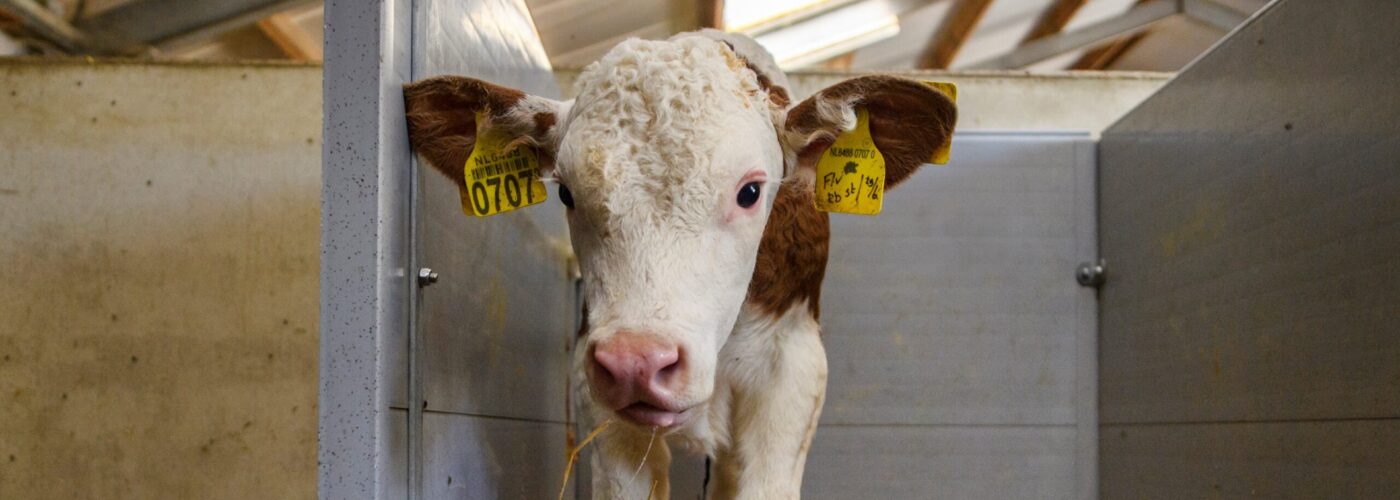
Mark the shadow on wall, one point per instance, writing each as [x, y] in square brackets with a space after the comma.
[159, 261]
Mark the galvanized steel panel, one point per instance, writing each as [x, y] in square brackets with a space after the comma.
[956, 335]
[993, 462]
[496, 326]
[1304, 460]
[490, 355]
[1251, 222]
[957, 304]
[479, 457]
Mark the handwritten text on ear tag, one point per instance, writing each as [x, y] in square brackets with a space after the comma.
[499, 179]
[941, 155]
[851, 173]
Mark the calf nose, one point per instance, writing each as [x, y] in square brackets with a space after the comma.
[630, 367]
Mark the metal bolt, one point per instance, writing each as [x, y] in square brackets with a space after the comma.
[1090, 274]
[427, 276]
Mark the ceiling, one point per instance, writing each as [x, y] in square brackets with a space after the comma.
[1133, 35]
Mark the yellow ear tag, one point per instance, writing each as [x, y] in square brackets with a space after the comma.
[941, 155]
[500, 180]
[851, 173]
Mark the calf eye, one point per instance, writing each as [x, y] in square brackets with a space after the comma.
[565, 196]
[748, 195]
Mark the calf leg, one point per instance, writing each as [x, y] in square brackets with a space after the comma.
[779, 387]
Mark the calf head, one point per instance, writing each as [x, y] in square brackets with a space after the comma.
[669, 161]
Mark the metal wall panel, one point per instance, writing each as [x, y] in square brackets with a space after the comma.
[500, 316]
[956, 334]
[491, 352]
[1353, 459]
[957, 304]
[483, 457]
[1251, 223]
[966, 462]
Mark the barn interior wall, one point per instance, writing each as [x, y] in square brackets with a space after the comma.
[159, 233]
[1250, 216]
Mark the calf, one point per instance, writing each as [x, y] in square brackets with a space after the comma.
[688, 178]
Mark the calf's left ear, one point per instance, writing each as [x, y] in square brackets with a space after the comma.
[443, 114]
[908, 122]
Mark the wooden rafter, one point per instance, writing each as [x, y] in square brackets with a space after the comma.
[1103, 56]
[712, 14]
[839, 63]
[1053, 20]
[282, 28]
[952, 33]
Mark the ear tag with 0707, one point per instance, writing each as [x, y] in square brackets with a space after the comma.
[500, 177]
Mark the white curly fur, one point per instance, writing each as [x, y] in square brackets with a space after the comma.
[654, 148]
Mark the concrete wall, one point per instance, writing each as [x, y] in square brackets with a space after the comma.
[158, 292]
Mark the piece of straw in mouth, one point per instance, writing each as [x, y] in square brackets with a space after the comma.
[643, 462]
[573, 454]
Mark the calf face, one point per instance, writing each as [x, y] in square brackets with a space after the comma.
[668, 162]
[671, 159]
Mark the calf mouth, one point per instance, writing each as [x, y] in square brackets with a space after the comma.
[649, 415]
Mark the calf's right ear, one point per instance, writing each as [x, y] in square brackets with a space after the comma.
[908, 122]
[443, 114]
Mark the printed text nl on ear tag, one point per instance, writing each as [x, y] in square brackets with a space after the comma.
[851, 173]
[941, 155]
[500, 180]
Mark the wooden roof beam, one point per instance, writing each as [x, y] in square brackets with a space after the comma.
[1054, 19]
[1100, 58]
[294, 41]
[957, 26]
[1103, 56]
[712, 14]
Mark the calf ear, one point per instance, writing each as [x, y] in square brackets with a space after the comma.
[442, 120]
[908, 122]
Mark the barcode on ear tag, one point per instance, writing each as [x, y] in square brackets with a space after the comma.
[851, 173]
[499, 179]
[942, 154]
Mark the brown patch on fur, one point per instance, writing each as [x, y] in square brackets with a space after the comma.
[908, 120]
[792, 255]
[544, 122]
[776, 94]
[441, 114]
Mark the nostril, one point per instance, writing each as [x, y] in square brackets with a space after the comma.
[668, 363]
[603, 365]
[668, 370]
